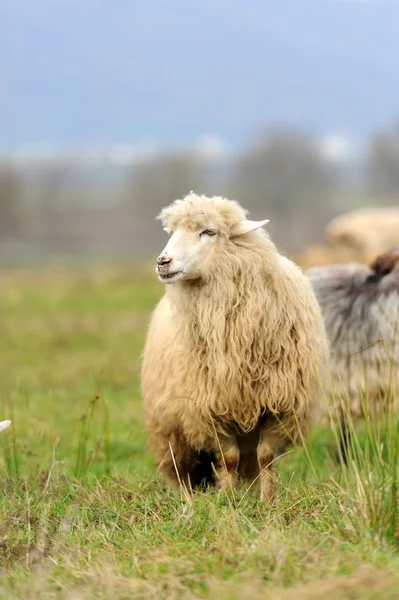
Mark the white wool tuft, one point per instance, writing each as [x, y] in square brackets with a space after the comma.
[4, 425]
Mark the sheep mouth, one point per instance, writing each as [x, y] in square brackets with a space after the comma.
[169, 277]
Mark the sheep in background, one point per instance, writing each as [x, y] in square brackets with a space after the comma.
[369, 230]
[321, 254]
[235, 348]
[4, 425]
[360, 306]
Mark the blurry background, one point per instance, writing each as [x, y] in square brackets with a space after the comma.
[110, 110]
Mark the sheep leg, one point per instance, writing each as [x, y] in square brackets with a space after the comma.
[270, 439]
[228, 471]
[344, 443]
[177, 459]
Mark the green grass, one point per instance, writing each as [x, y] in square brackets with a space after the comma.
[82, 511]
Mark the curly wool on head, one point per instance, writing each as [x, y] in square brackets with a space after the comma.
[196, 212]
[240, 344]
[360, 306]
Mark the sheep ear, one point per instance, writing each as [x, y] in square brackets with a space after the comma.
[4, 425]
[246, 227]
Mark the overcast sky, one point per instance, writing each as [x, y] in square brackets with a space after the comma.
[78, 72]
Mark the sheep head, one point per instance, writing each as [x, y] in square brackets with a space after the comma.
[197, 226]
[385, 263]
[341, 232]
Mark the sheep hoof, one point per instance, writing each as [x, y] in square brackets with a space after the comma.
[226, 483]
[267, 498]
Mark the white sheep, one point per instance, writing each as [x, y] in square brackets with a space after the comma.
[369, 230]
[235, 348]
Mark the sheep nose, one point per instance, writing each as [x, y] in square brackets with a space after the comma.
[163, 260]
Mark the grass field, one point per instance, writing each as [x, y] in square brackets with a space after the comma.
[82, 511]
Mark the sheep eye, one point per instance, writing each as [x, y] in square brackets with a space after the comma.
[208, 232]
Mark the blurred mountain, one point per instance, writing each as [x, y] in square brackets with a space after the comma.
[79, 71]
